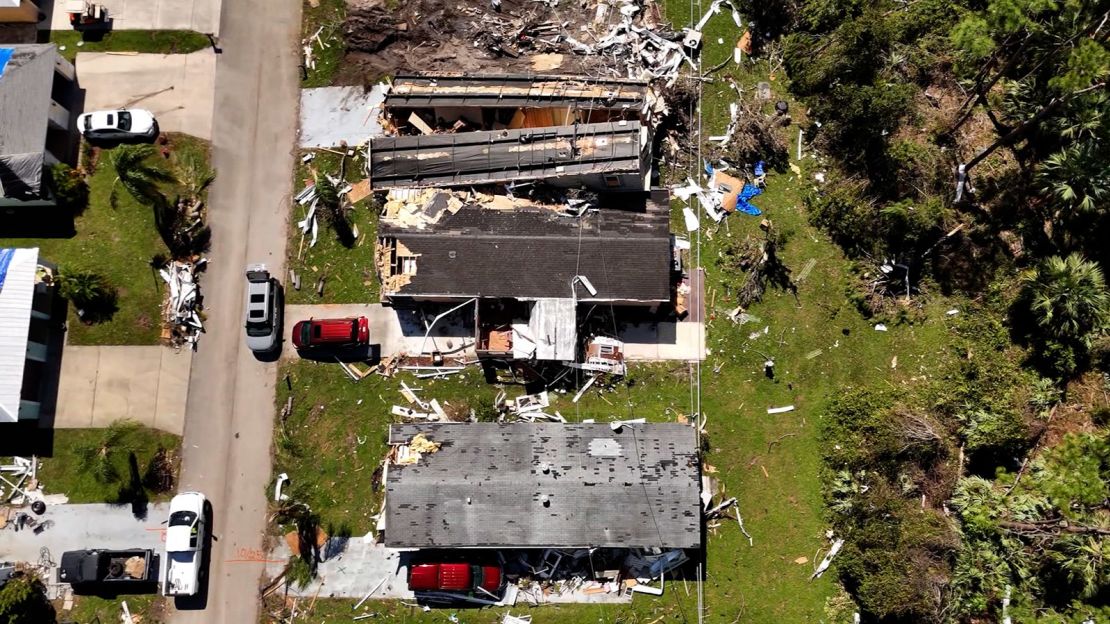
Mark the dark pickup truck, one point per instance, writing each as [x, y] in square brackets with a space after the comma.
[114, 567]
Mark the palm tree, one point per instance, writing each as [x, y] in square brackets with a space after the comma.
[97, 457]
[138, 173]
[1078, 176]
[1067, 298]
[1086, 562]
[334, 212]
[193, 172]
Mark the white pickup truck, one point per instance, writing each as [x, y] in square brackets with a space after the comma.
[185, 544]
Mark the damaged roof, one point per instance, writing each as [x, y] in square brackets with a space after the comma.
[484, 487]
[516, 90]
[531, 252]
[493, 156]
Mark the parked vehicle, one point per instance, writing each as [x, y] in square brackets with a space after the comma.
[346, 332]
[456, 577]
[263, 322]
[118, 568]
[185, 544]
[130, 123]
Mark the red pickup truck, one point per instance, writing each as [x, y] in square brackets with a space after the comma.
[456, 577]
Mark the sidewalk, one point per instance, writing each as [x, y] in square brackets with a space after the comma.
[100, 385]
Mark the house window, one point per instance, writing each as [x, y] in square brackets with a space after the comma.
[612, 181]
[407, 264]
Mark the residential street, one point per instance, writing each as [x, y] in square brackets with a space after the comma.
[226, 450]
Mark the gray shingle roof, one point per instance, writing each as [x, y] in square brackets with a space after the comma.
[25, 87]
[529, 253]
[638, 487]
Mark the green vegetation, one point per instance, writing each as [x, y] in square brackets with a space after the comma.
[148, 41]
[119, 243]
[23, 601]
[344, 260]
[95, 465]
[152, 609]
[326, 19]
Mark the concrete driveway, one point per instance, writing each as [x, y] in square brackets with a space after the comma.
[202, 16]
[177, 88]
[395, 331]
[77, 527]
[100, 385]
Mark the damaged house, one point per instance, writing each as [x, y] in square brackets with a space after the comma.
[422, 103]
[37, 87]
[545, 485]
[530, 268]
[465, 130]
[598, 156]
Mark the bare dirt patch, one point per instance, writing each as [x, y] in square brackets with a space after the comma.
[470, 35]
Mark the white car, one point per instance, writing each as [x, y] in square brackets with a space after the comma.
[185, 544]
[131, 123]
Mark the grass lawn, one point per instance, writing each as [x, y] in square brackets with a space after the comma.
[91, 609]
[329, 15]
[148, 41]
[63, 472]
[349, 272]
[771, 463]
[118, 243]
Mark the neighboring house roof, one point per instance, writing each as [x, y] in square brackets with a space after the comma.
[492, 156]
[516, 90]
[17, 289]
[484, 486]
[26, 82]
[533, 253]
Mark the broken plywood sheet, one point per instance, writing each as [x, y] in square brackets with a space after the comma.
[332, 116]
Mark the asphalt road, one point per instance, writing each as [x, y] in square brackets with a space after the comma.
[230, 409]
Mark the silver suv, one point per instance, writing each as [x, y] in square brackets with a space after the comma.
[263, 320]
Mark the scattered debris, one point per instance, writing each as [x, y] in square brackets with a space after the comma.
[824, 565]
[415, 449]
[880, 327]
[181, 310]
[780, 410]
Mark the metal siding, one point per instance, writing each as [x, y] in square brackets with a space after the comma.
[16, 297]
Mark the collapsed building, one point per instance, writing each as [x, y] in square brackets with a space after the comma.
[512, 101]
[530, 196]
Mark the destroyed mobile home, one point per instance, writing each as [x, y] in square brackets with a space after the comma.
[533, 271]
[548, 176]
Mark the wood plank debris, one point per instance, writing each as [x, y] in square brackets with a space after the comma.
[780, 410]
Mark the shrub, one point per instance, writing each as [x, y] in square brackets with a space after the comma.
[69, 188]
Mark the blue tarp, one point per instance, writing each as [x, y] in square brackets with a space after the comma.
[5, 56]
[749, 191]
[6, 256]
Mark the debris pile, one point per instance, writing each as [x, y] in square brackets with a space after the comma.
[629, 37]
[181, 310]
